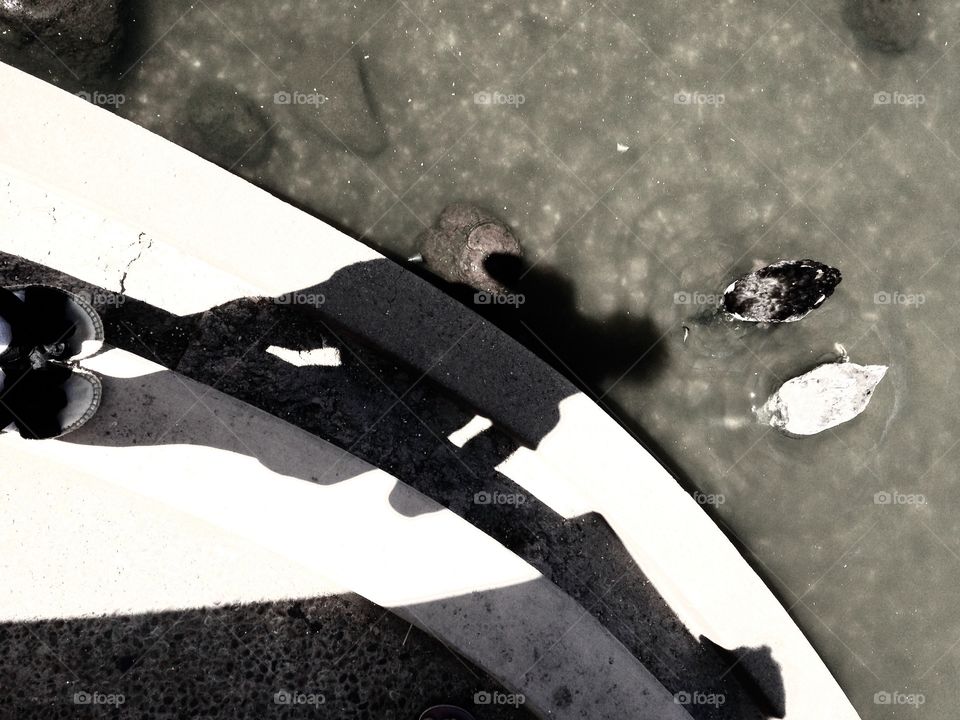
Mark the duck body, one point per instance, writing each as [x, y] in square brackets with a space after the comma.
[785, 291]
[827, 396]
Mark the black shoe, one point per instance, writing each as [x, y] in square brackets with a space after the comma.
[48, 401]
[48, 323]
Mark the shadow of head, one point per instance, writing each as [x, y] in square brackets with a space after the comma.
[540, 310]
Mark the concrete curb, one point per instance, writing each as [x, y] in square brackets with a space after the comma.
[139, 215]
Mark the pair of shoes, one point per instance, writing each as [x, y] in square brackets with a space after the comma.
[44, 331]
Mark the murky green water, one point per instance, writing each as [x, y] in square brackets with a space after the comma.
[644, 203]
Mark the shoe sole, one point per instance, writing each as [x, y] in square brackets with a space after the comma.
[86, 392]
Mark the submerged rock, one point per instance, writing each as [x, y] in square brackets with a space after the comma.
[326, 93]
[459, 246]
[225, 127]
[892, 25]
[68, 42]
[785, 291]
[826, 396]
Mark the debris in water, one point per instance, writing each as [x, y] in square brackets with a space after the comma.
[826, 396]
[225, 126]
[621, 148]
[782, 292]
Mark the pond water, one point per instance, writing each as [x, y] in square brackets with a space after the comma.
[645, 154]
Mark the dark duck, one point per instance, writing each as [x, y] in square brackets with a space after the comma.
[785, 291]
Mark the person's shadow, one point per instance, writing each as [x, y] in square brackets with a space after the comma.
[399, 420]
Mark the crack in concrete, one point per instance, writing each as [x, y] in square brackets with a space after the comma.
[126, 271]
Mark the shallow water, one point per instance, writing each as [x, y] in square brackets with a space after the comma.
[648, 207]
